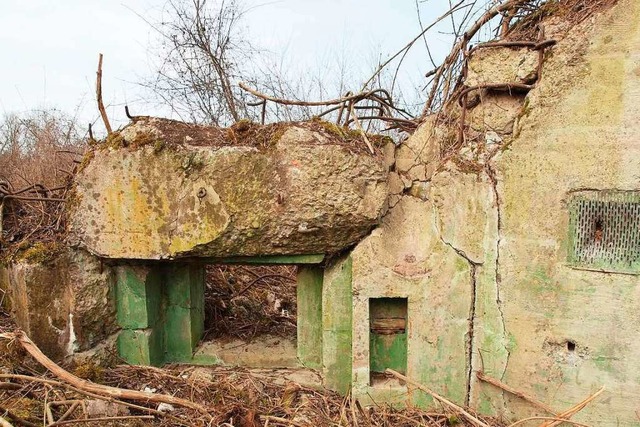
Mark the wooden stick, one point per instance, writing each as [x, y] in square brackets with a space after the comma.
[84, 385]
[70, 410]
[497, 383]
[9, 386]
[5, 423]
[437, 397]
[91, 420]
[561, 420]
[27, 377]
[362, 132]
[101, 108]
[356, 97]
[574, 410]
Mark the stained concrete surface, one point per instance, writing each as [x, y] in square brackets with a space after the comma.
[303, 194]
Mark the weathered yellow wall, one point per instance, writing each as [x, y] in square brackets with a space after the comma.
[581, 129]
[478, 243]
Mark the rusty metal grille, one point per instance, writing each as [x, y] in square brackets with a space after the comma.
[605, 230]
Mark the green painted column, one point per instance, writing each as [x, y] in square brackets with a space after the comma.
[337, 316]
[184, 310]
[309, 290]
[139, 314]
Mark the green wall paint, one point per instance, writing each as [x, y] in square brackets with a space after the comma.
[388, 351]
[337, 301]
[388, 334]
[184, 310]
[138, 296]
[310, 316]
[160, 309]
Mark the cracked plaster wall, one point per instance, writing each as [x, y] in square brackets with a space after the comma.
[580, 130]
[477, 242]
[436, 241]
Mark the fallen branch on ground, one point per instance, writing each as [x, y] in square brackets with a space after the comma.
[439, 398]
[5, 423]
[91, 387]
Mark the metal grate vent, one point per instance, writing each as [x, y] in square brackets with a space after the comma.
[605, 230]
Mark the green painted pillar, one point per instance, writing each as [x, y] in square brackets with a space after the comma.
[337, 319]
[138, 299]
[309, 289]
[184, 310]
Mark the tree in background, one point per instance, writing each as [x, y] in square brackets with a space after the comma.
[204, 55]
[38, 154]
[202, 52]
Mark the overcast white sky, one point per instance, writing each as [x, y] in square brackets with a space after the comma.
[49, 48]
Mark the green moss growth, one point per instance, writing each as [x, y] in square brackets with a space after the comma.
[143, 139]
[114, 140]
[330, 128]
[453, 420]
[278, 132]
[89, 371]
[348, 135]
[158, 146]
[243, 125]
[39, 253]
[24, 408]
[86, 159]
[191, 163]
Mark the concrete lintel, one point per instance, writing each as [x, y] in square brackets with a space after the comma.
[272, 259]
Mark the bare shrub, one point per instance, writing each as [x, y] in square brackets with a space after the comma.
[38, 154]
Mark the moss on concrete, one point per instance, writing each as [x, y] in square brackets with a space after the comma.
[39, 253]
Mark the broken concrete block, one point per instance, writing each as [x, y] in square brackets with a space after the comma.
[502, 65]
[388, 152]
[496, 112]
[418, 156]
[396, 186]
[63, 302]
[420, 190]
[292, 189]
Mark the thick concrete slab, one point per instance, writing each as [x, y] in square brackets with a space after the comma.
[151, 193]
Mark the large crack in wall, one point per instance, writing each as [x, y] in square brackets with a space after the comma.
[492, 175]
[473, 289]
[472, 310]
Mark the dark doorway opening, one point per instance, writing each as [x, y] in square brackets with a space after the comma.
[251, 314]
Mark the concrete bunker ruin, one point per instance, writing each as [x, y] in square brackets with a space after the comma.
[510, 253]
[293, 194]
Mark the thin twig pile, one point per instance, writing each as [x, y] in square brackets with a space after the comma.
[244, 301]
[179, 395]
[195, 396]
